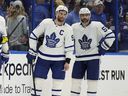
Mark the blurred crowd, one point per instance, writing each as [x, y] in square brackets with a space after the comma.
[19, 18]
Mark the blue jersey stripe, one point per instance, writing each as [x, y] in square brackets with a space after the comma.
[34, 35]
[33, 50]
[108, 34]
[69, 46]
[106, 44]
[48, 55]
[56, 90]
[33, 38]
[75, 92]
[82, 56]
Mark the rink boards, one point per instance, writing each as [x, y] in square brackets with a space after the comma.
[17, 77]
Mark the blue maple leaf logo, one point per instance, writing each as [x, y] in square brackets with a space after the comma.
[85, 42]
[51, 40]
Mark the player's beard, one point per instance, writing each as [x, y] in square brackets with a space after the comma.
[85, 20]
[60, 19]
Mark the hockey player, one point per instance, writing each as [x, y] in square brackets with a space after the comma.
[92, 38]
[55, 53]
[4, 49]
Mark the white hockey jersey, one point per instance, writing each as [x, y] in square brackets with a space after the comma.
[87, 39]
[4, 46]
[58, 42]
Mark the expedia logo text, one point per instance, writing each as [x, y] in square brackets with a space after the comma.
[17, 69]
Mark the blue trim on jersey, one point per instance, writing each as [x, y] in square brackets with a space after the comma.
[108, 34]
[69, 46]
[106, 44]
[56, 90]
[33, 50]
[34, 35]
[103, 46]
[33, 38]
[91, 92]
[34, 95]
[37, 90]
[88, 55]
[109, 37]
[48, 55]
[75, 92]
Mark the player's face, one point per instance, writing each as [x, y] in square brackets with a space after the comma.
[99, 9]
[61, 15]
[85, 17]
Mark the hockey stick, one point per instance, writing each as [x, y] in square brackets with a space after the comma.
[34, 85]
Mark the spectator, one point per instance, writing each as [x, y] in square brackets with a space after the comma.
[71, 5]
[58, 2]
[10, 9]
[27, 4]
[17, 37]
[40, 12]
[90, 4]
[108, 10]
[73, 16]
[123, 44]
[66, 2]
[97, 12]
[2, 11]
[7, 2]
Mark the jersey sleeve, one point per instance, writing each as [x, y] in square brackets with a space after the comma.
[33, 39]
[107, 36]
[4, 42]
[69, 43]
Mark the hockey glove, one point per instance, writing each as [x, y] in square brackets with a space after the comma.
[30, 58]
[0, 67]
[4, 58]
[102, 50]
[0, 62]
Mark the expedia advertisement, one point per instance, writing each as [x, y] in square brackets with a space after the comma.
[16, 77]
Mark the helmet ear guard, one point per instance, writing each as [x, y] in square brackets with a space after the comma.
[84, 11]
[62, 8]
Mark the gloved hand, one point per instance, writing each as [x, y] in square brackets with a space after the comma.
[30, 58]
[0, 62]
[4, 59]
[101, 50]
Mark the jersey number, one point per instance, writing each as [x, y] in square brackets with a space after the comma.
[104, 29]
